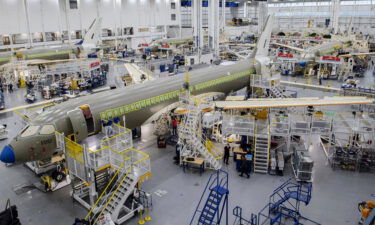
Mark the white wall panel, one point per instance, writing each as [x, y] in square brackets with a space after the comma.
[50, 16]
[12, 17]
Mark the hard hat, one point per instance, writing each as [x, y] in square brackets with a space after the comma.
[230, 140]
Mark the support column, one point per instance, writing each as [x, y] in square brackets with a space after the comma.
[179, 18]
[262, 15]
[197, 27]
[28, 23]
[335, 13]
[42, 22]
[213, 27]
[223, 10]
[115, 19]
[245, 10]
[67, 19]
[98, 5]
[80, 19]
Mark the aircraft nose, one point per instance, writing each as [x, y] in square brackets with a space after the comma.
[7, 155]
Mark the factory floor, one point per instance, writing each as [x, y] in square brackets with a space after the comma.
[334, 201]
[17, 97]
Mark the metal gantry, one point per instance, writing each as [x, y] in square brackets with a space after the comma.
[105, 178]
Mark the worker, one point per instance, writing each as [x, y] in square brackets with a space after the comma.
[320, 79]
[10, 87]
[174, 126]
[245, 166]
[178, 151]
[226, 153]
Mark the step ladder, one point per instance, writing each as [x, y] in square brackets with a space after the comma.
[209, 157]
[215, 199]
[277, 92]
[189, 133]
[262, 144]
[290, 195]
[283, 206]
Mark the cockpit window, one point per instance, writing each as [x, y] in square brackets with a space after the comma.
[29, 131]
[47, 129]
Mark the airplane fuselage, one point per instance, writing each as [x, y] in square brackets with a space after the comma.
[34, 143]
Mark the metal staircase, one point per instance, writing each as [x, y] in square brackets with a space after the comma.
[262, 144]
[190, 134]
[277, 92]
[283, 206]
[116, 202]
[216, 200]
[288, 191]
[346, 70]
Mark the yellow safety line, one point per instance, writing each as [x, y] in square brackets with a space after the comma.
[37, 107]
[24, 116]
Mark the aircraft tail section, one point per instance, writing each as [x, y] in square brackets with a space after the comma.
[263, 44]
[92, 36]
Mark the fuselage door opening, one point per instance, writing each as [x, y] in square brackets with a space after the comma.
[79, 124]
[89, 119]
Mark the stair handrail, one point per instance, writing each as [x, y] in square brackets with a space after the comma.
[217, 157]
[115, 176]
[268, 142]
[255, 138]
[114, 192]
[215, 179]
[237, 212]
[200, 200]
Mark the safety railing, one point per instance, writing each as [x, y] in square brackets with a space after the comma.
[140, 162]
[280, 124]
[137, 163]
[240, 220]
[300, 125]
[122, 139]
[321, 124]
[112, 184]
[91, 214]
[214, 150]
[343, 123]
[75, 157]
[281, 195]
[257, 80]
[218, 179]
[209, 119]
[116, 153]
[196, 104]
[269, 143]
[241, 125]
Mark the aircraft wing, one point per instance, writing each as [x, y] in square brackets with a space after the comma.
[289, 46]
[358, 54]
[42, 61]
[241, 45]
[292, 102]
